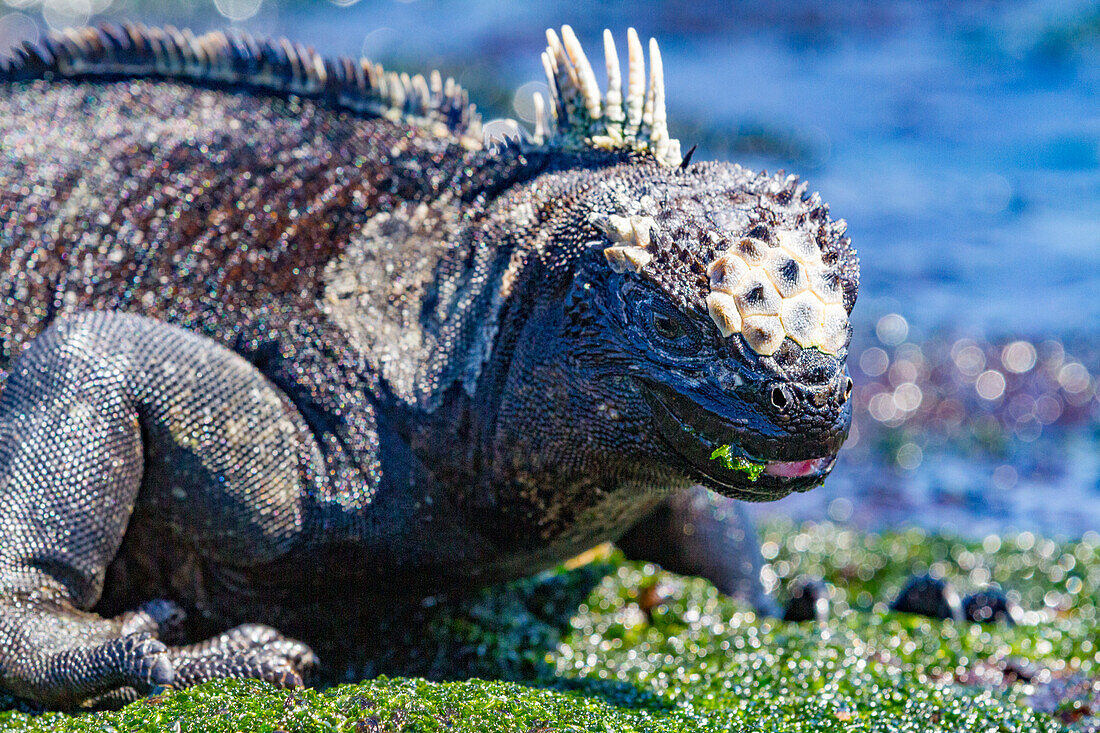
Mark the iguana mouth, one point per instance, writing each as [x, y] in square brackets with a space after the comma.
[696, 442]
[797, 469]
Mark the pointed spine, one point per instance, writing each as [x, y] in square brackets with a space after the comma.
[542, 121]
[583, 118]
[635, 84]
[659, 137]
[587, 87]
[613, 100]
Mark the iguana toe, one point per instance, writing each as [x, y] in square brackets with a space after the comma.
[268, 665]
[142, 660]
[299, 655]
[252, 651]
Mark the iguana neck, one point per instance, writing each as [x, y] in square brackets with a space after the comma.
[519, 446]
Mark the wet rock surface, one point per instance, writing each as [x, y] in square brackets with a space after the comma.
[809, 601]
[929, 596]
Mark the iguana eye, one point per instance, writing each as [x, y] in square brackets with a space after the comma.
[667, 327]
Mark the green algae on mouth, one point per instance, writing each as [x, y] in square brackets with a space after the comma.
[737, 463]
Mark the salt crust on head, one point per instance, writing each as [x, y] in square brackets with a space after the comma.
[769, 292]
[766, 291]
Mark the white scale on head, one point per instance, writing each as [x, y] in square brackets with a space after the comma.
[767, 293]
[631, 235]
[763, 292]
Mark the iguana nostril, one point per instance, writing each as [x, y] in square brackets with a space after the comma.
[847, 390]
[780, 399]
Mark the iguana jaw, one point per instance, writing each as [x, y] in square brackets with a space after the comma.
[694, 433]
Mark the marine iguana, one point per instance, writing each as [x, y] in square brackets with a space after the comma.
[282, 338]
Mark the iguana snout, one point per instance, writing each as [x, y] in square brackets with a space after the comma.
[752, 439]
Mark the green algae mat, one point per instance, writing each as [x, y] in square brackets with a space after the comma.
[617, 646]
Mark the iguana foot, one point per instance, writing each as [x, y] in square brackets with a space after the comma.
[94, 661]
[809, 600]
[105, 667]
[937, 598]
[251, 651]
[84, 425]
[926, 595]
[160, 617]
[142, 658]
[992, 605]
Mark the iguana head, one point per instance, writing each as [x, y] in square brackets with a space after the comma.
[713, 302]
[723, 300]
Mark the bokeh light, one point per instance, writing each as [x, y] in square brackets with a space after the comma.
[238, 10]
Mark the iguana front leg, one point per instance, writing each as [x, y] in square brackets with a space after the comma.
[95, 404]
[698, 532]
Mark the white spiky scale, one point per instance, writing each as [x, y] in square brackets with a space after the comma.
[800, 245]
[835, 328]
[566, 80]
[755, 295]
[634, 230]
[553, 48]
[634, 121]
[631, 237]
[803, 318]
[827, 287]
[764, 333]
[542, 126]
[623, 257]
[752, 251]
[655, 102]
[555, 103]
[787, 274]
[635, 83]
[723, 310]
[725, 272]
[586, 77]
[777, 291]
[642, 228]
[560, 88]
[287, 46]
[613, 100]
[620, 228]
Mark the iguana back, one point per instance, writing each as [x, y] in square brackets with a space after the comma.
[217, 193]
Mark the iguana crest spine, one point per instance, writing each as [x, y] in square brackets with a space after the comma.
[579, 116]
[582, 117]
[236, 58]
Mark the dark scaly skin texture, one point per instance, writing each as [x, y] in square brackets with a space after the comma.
[266, 363]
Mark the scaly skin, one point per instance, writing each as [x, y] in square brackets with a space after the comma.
[267, 362]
